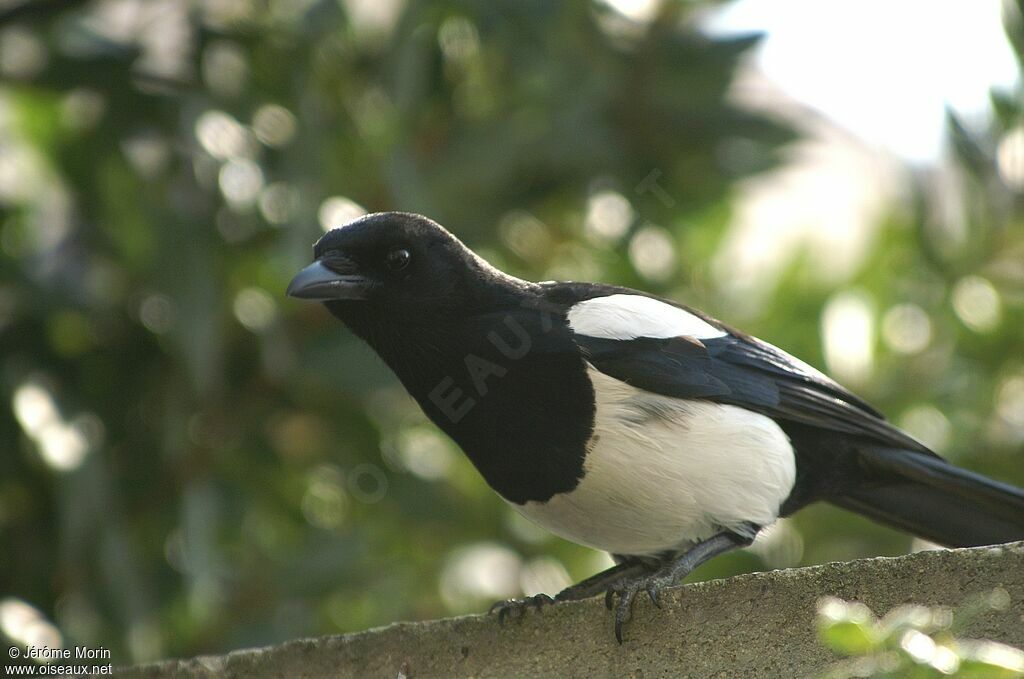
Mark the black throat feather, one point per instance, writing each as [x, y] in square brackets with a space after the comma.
[510, 387]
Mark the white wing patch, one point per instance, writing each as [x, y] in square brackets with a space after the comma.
[626, 317]
[662, 473]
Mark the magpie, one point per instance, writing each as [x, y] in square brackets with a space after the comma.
[626, 422]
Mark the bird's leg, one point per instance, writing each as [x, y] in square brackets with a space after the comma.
[600, 582]
[592, 586]
[672, 572]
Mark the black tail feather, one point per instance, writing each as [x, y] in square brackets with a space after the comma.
[936, 500]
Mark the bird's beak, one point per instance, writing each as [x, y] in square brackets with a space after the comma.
[319, 283]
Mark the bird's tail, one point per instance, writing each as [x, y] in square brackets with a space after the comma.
[936, 500]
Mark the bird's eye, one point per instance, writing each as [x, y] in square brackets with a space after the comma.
[398, 259]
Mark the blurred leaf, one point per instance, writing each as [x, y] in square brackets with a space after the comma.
[848, 637]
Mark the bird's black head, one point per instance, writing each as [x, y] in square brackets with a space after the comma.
[396, 269]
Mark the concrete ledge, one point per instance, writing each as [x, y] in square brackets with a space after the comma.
[758, 625]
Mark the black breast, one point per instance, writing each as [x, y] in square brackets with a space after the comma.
[511, 388]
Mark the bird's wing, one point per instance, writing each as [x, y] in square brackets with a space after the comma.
[673, 351]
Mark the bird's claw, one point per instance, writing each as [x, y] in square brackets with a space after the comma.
[517, 607]
[626, 592]
[654, 592]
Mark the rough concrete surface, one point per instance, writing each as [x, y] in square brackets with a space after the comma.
[758, 625]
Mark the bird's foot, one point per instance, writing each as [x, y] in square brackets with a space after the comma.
[516, 608]
[671, 573]
[626, 591]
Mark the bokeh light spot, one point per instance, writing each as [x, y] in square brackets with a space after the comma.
[524, 529]
[425, 453]
[545, 575]
[458, 39]
[325, 502]
[1010, 400]
[780, 545]
[848, 329]
[652, 253]
[484, 571]
[82, 109]
[225, 68]
[928, 425]
[525, 235]
[222, 136]
[278, 203]
[976, 303]
[906, 328]
[62, 446]
[338, 211]
[25, 625]
[367, 483]
[274, 125]
[1010, 158]
[255, 309]
[241, 181]
[34, 407]
[22, 53]
[156, 313]
[608, 217]
[148, 153]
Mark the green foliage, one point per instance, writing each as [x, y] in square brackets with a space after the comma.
[192, 463]
[915, 641]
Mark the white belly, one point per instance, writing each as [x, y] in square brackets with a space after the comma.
[662, 472]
